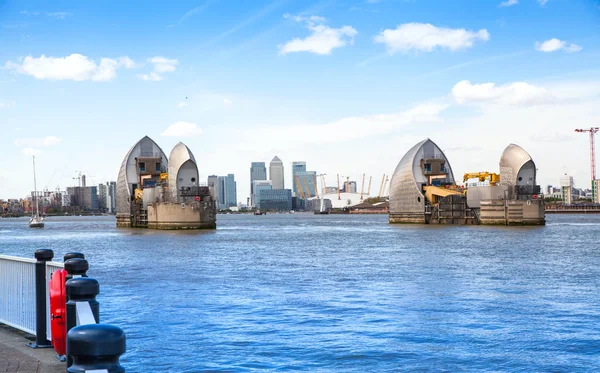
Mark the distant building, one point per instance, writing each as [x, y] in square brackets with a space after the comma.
[258, 186]
[83, 181]
[85, 198]
[102, 197]
[595, 194]
[276, 173]
[566, 186]
[258, 171]
[111, 203]
[227, 188]
[275, 199]
[307, 180]
[213, 186]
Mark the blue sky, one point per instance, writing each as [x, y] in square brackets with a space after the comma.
[347, 86]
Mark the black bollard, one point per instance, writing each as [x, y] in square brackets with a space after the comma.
[76, 267]
[95, 347]
[41, 340]
[81, 289]
[73, 255]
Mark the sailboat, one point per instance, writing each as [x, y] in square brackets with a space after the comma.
[36, 220]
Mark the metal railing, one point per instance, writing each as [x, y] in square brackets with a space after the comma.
[17, 293]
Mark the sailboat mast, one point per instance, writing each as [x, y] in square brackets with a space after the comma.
[37, 207]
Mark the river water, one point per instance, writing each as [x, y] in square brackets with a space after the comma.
[340, 293]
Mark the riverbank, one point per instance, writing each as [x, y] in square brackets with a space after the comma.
[16, 356]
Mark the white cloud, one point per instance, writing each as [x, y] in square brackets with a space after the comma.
[554, 44]
[519, 93]
[58, 15]
[8, 104]
[74, 67]
[127, 62]
[182, 104]
[322, 40]
[508, 3]
[427, 37]
[163, 65]
[182, 129]
[37, 141]
[351, 128]
[542, 2]
[31, 151]
[160, 65]
[151, 77]
[227, 102]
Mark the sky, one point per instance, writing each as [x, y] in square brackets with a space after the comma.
[346, 85]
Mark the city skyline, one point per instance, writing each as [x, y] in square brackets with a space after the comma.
[349, 104]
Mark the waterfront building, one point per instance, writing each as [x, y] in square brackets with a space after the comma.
[350, 187]
[213, 187]
[275, 199]
[276, 173]
[257, 187]
[258, 171]
[595, 194]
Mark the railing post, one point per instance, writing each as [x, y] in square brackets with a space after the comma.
[95, 348]
[73, 255]
[81, 290]
[41, 339]
[76, 267]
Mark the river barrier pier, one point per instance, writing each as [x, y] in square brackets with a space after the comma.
[53, 305]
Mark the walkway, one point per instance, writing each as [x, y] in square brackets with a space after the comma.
[16, 357]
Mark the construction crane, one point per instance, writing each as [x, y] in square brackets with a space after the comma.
[362, 188]
[592, 132]
[339, 197]
[381, 186]
[369, 189]
[299, 187]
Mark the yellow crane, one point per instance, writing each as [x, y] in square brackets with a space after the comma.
[482, 176]
[307, 188]
[362, 188]
[316, 186]
[299, 187]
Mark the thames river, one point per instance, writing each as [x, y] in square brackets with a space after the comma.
[341, 293]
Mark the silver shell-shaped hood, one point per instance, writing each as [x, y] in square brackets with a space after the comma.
[181, 157]
[405, 186]
[145, 147]
[516, 167]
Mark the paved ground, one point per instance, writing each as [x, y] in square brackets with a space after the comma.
[16, 357]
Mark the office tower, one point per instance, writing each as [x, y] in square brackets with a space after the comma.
[258, 186]
[306, 179]
[298, 166]
[258, 171]
[276, 173]
[227, 191]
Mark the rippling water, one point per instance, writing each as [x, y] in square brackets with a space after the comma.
[343, 293]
